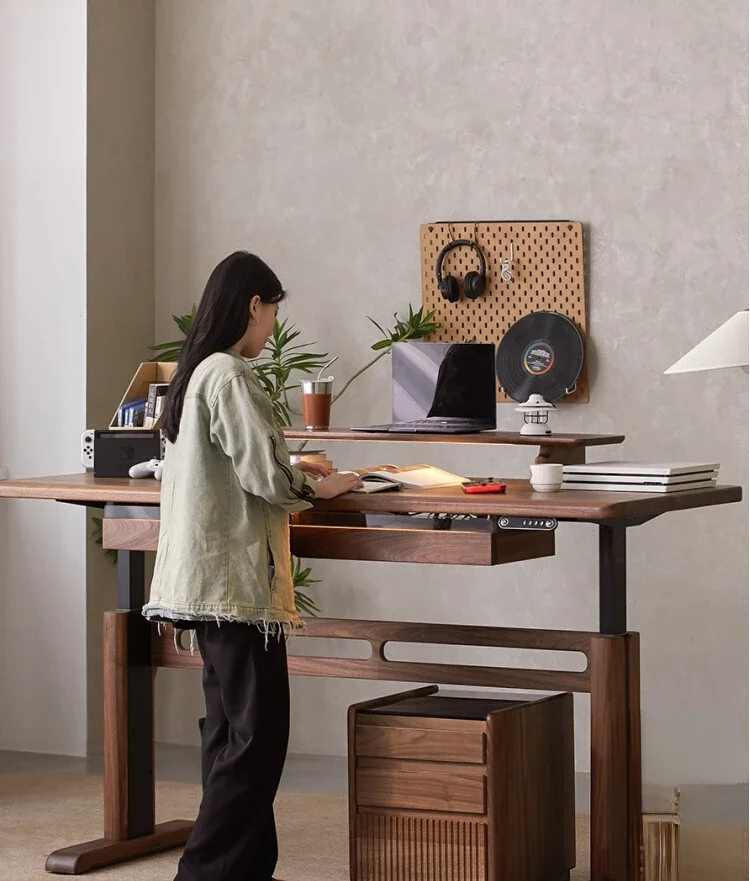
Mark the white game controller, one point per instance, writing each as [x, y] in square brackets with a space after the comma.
[152, 468]
[87, 448]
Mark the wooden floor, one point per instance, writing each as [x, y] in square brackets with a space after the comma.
[717, 806]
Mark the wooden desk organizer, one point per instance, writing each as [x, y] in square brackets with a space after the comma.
[455, 788]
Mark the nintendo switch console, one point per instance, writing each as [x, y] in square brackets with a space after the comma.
[113, 452]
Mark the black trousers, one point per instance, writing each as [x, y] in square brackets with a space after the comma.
[244, 742]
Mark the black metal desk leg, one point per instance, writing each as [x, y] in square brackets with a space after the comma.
[131, 580]
[137, 715]
[613, 595]
[138, 710]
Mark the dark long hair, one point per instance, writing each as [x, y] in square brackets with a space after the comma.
[220, 321]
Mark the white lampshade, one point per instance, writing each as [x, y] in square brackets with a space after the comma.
[727, 346]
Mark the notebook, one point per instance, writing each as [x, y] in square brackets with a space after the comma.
[389, 477]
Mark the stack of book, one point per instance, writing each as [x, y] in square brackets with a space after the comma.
[145, 412]
[132, 414]
[154, 403]
[641, 477]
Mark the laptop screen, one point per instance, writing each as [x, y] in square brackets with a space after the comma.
[444, 380]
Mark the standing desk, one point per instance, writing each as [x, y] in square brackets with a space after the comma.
[338, 528]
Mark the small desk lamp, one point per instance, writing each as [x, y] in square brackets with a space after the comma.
[727, 346]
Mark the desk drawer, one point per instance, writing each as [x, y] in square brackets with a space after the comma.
[395, 545]
[426, 744]
[421, 786]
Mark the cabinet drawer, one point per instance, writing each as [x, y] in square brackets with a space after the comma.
[422, 744]
[419, 847]
[421, 786]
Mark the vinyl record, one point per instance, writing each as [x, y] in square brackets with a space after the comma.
[541, 354]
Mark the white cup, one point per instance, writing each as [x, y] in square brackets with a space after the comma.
[546, 478]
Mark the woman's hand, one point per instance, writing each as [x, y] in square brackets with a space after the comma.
[313, 469]
[337, 484]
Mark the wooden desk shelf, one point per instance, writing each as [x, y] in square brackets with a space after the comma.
[567, 449]
[503, 438]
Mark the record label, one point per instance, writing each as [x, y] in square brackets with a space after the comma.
[541, 354]
[538, 358]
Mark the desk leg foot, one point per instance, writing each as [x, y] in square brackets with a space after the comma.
[80, 858]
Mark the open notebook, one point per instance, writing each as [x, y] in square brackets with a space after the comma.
[389, 477]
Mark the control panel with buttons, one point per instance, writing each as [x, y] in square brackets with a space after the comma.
[544, 524]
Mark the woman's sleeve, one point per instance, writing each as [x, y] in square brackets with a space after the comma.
[260, 458]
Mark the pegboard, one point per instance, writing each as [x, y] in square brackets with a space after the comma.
[548, 273]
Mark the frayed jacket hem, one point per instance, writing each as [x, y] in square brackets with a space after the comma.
[267, 621]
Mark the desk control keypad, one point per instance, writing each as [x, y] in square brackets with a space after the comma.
[543, 524]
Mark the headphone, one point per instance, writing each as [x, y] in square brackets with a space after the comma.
[474, 282]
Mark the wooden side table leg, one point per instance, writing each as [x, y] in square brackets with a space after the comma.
[616, 801]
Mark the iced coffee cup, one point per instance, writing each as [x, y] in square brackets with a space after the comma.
[317, 395]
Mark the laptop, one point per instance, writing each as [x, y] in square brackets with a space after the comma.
[441, 388]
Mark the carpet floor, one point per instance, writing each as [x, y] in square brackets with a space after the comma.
[41, 812]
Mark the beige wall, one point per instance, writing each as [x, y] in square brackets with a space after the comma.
[42, 370]
[76, 317]
[120, 251]
[320, 136]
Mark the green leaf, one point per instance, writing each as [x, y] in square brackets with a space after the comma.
[171, 351]
[377, 325]
[415, 326]
[282, 357]
[301, 578]
[170, 356]
[174, 345]
[96, 534]
[306, 604]
[185, 322]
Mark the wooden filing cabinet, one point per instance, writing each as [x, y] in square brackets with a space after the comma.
[452, 788]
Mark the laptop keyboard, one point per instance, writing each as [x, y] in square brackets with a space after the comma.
[436, 423]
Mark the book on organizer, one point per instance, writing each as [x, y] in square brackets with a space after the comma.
[645, 477]
[131, 415]
[390, 477]
[155, 403]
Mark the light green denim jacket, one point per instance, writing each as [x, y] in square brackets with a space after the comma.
[227, 490]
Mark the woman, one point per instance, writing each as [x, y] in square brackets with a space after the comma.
[223, 564]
